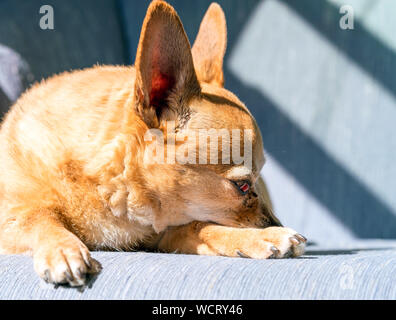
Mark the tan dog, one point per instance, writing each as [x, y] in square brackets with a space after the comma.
[73, 170]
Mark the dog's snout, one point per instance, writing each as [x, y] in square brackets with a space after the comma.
[274, 222]
[270, 217]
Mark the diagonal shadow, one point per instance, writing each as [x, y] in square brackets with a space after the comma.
[350, 201]
[360, 45]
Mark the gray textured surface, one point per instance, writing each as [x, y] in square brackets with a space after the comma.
[343, 271]
[325, 102]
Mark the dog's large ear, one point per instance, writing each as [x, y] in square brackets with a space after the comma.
[165, 75]
[210, 46]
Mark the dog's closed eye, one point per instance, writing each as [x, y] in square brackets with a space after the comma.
[243, 186]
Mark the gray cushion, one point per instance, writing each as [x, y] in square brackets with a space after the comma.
[15, 76]
[357, 270]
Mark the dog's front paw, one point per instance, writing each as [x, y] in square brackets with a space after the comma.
[286, 240]
[66, 262]
[284, 243]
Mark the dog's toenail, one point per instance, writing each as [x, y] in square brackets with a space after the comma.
[294, 241]
[80, 273]
[69, 276]
[47, 276]
[301, 237]
[241, 254]
[87, 262]
[275, 250]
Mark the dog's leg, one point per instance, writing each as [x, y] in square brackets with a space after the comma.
[59, 256]
[211, 239]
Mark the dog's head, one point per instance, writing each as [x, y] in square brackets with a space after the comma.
[207, 146]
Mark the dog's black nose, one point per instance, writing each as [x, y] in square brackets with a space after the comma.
[272, 220]
[275, 222]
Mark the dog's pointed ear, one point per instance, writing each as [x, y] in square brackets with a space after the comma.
[165, 75]
[210, 46]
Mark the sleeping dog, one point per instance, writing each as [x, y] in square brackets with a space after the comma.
[94, 160]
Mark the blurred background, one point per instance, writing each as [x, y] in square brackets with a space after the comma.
[324, 97]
